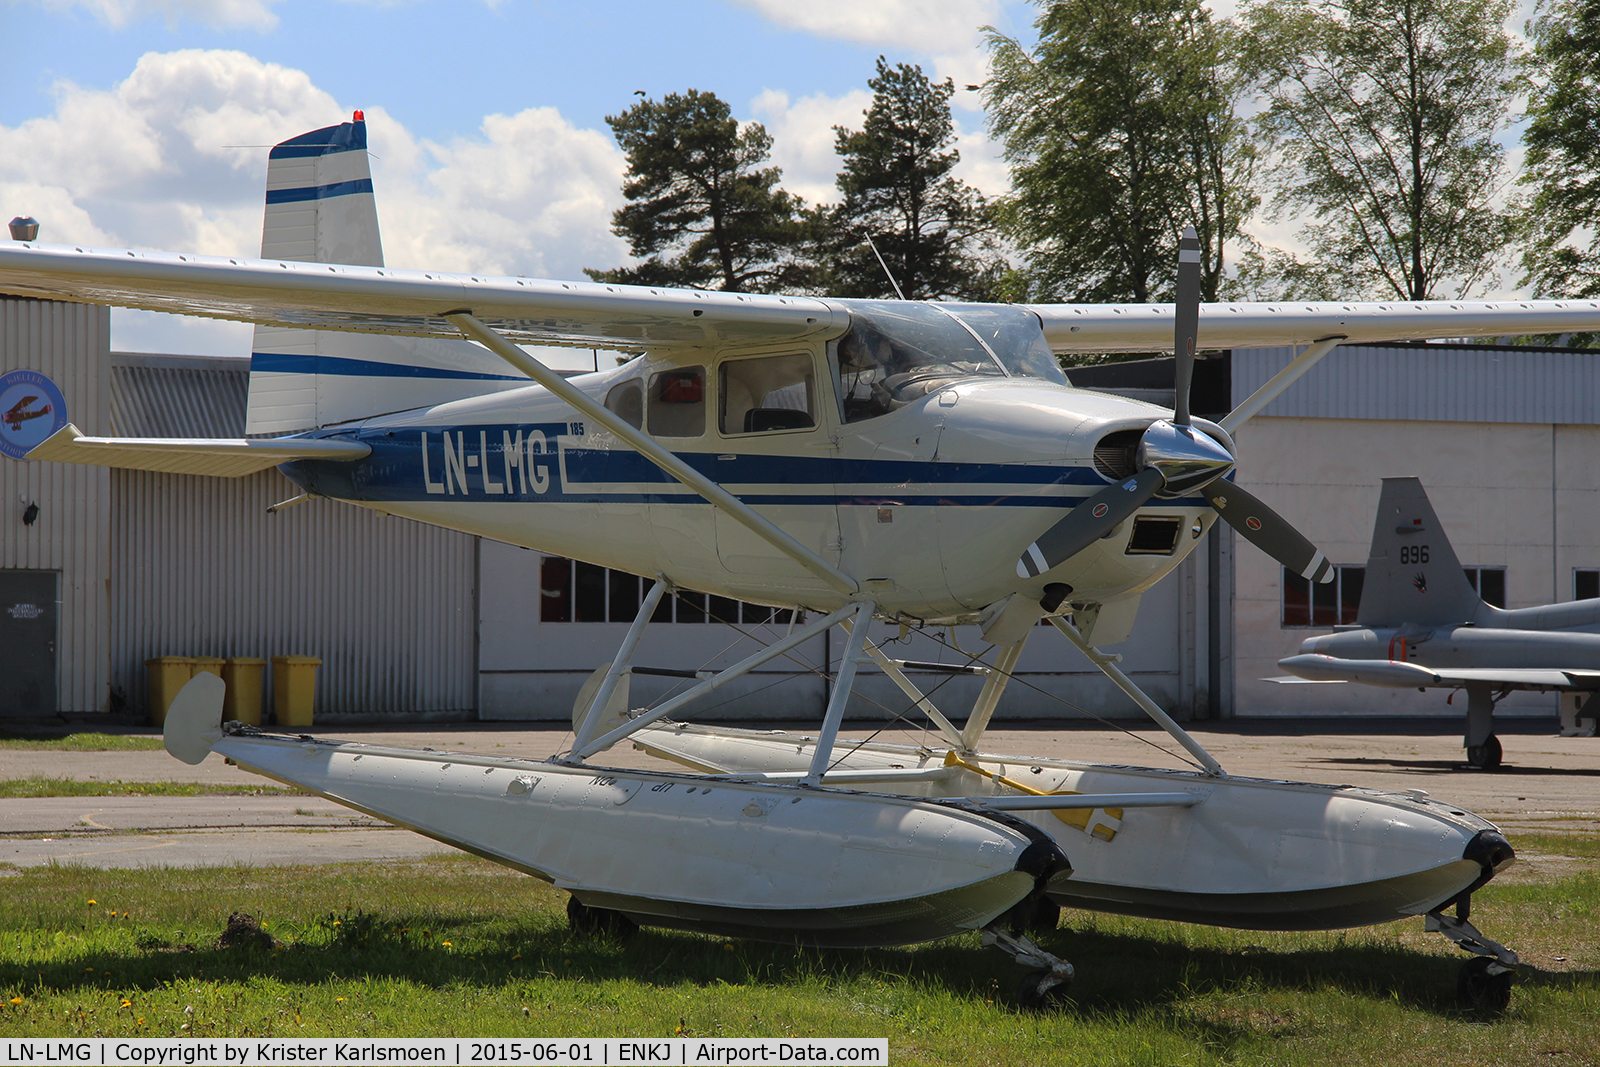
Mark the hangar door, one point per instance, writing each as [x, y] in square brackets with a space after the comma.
[28, 642]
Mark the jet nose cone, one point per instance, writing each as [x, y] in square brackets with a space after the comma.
[1186, 457]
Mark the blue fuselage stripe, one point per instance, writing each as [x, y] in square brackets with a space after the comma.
[295, 363]
[318, 192]
[546, 462]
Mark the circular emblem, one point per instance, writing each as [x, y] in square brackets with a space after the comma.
[1253, 522]
[31, 409]
[1100, 510]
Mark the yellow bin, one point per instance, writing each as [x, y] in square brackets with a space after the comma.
[166, 675]
[242, 701]
[294, 688]
[206, 665]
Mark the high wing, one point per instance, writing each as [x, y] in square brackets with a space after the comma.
[1393, 674]
[409, 302]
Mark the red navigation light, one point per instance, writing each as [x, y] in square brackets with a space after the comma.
[359, 116]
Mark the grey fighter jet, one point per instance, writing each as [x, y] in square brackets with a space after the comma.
[1421, 625]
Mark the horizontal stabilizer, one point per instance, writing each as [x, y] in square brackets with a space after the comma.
[1392, 674]
[223, 458]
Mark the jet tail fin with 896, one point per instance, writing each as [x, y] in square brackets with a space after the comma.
[1422, 625]
[911, 462]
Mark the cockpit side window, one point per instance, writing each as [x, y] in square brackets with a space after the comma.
[678, 402]
[768, 393]
[627, 401]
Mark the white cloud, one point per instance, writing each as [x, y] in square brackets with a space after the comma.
[151, 164]
[218, 14]
[531, 195]
[926, 25]
[802, 137]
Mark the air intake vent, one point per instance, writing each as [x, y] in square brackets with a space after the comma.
[1153, 537]
[1116, 454]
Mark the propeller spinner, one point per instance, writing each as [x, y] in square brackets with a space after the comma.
[1177, 458]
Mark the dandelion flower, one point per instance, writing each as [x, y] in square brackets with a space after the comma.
[93, 902]
[338, 1000]
[126, 1003]
[447, 944]
[16, 1000]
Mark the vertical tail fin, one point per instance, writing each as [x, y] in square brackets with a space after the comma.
[321, 209]
[1413, 574]
[320, 206]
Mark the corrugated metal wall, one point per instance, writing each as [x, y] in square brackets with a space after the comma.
[68, 343]
[198, 567]
[1432, 383]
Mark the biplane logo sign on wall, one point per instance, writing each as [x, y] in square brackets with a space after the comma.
[31, 409]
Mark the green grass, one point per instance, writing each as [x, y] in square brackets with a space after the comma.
[87, 742]
[460, 946]
[68, 787]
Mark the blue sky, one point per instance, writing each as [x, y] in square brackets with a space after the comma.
[486, 120]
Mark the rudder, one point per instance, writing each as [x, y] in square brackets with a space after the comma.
[321, 208]
[1413, 575]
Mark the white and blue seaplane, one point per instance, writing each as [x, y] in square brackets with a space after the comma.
[909, 462]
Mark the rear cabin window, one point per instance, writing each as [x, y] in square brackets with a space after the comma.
[627, 402]
[768, 393]
[678, 402]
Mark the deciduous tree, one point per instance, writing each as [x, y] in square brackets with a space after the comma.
[1563, 152]
[1383, 115]
[1120, 129]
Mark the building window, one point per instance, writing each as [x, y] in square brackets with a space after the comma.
[1585, 584]
[1335, 603]
[1489, 583]
[573, 591]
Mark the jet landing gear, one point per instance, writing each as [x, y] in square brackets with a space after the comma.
[1484, 983]
[1485, 757]
[1483, 747]
[1044, 988]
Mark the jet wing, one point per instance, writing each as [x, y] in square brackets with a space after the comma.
[384, 300]
[221, 458]
[1392, 674]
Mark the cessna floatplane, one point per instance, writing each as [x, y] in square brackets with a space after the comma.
[920, 464]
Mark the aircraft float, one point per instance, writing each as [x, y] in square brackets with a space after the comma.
[865, 462]
[1421, 625]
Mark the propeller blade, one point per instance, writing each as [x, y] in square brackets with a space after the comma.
[1268, 531]
[1088, 522]
[1185, 323]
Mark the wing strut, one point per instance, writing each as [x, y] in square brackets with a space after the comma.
[1108, 665]
[730, 505]
[1280, 381]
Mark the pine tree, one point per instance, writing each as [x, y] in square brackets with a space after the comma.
[897, 190]
[702, 209]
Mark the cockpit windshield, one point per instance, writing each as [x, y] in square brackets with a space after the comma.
[1013, 334]
[897, 352]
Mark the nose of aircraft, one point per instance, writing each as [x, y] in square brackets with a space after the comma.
[1186, 457]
